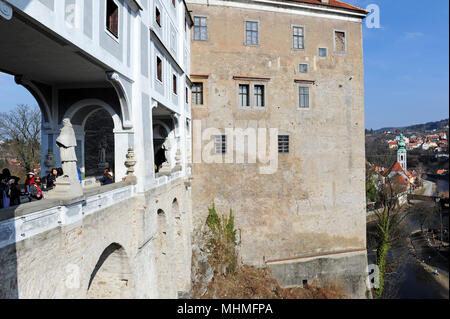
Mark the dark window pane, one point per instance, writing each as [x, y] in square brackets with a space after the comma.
[112, 18]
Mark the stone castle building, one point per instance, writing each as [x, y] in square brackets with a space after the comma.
[296, 66]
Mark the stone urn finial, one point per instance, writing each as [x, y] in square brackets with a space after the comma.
[130, 162]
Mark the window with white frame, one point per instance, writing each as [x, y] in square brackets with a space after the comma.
[157, 16]
[200, 29]
[304, 96]
[244, 96]
[322, 52]
[251, 32]
[174, 85]
[159, 68]
[112, 18]
[259, 95]
[303, 68]
[220, 144]
[298, 38]
[283, 144]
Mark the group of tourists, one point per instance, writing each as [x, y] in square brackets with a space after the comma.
[11, 192]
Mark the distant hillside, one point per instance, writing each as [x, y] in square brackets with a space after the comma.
[430, 126]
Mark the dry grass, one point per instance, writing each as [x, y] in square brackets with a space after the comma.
[257, 283]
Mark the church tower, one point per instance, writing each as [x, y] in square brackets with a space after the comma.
[401, 153]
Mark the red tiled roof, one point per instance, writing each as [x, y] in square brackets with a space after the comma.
[333, 3]
[401, 179]
[396, 168]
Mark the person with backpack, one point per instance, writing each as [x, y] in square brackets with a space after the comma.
[10, 187]
[29, 185]
[51, 179]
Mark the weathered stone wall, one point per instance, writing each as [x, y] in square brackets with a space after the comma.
[315, 202]
[48, 265]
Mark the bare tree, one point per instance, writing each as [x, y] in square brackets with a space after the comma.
[20, 129]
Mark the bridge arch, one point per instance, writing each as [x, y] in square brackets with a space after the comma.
[112, 277]
[162, 255]
[179, 246]
[40, 98]
[94, 105]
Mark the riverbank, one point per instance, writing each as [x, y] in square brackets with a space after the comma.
[430, 260]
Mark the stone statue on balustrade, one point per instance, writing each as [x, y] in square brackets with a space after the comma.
[68, 185]
[166, 167]
[102, 146]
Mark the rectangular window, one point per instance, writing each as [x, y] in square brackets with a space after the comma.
[174, 77]
[304, 96]
[157, 16]
[259, 95]
[323, 52]
[298, 38]
[187, 96]
[220, 144]
[303, 68]
[159, 69]
[339, 41]
[244, 100]
[112, 18]
[200, 28]
[251, 31]
[197, 93]
[283, 144]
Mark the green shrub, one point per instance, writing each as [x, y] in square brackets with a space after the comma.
[223, 241]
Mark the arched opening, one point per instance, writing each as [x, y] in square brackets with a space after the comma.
[98, 143]
[179, 247]
[96, 125]
[160, 133]
[112, 277]
[162, 255]
[22, 120]
[166, 144]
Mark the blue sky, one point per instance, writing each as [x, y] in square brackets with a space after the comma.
[406, 65]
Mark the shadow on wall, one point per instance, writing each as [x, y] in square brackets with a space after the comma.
[112, 277]
[8, 266]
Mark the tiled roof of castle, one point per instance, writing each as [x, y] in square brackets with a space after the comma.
[333, 3]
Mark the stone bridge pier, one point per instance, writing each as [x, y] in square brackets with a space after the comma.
[112, 243]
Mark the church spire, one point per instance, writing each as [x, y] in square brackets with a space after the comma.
[401, 152]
